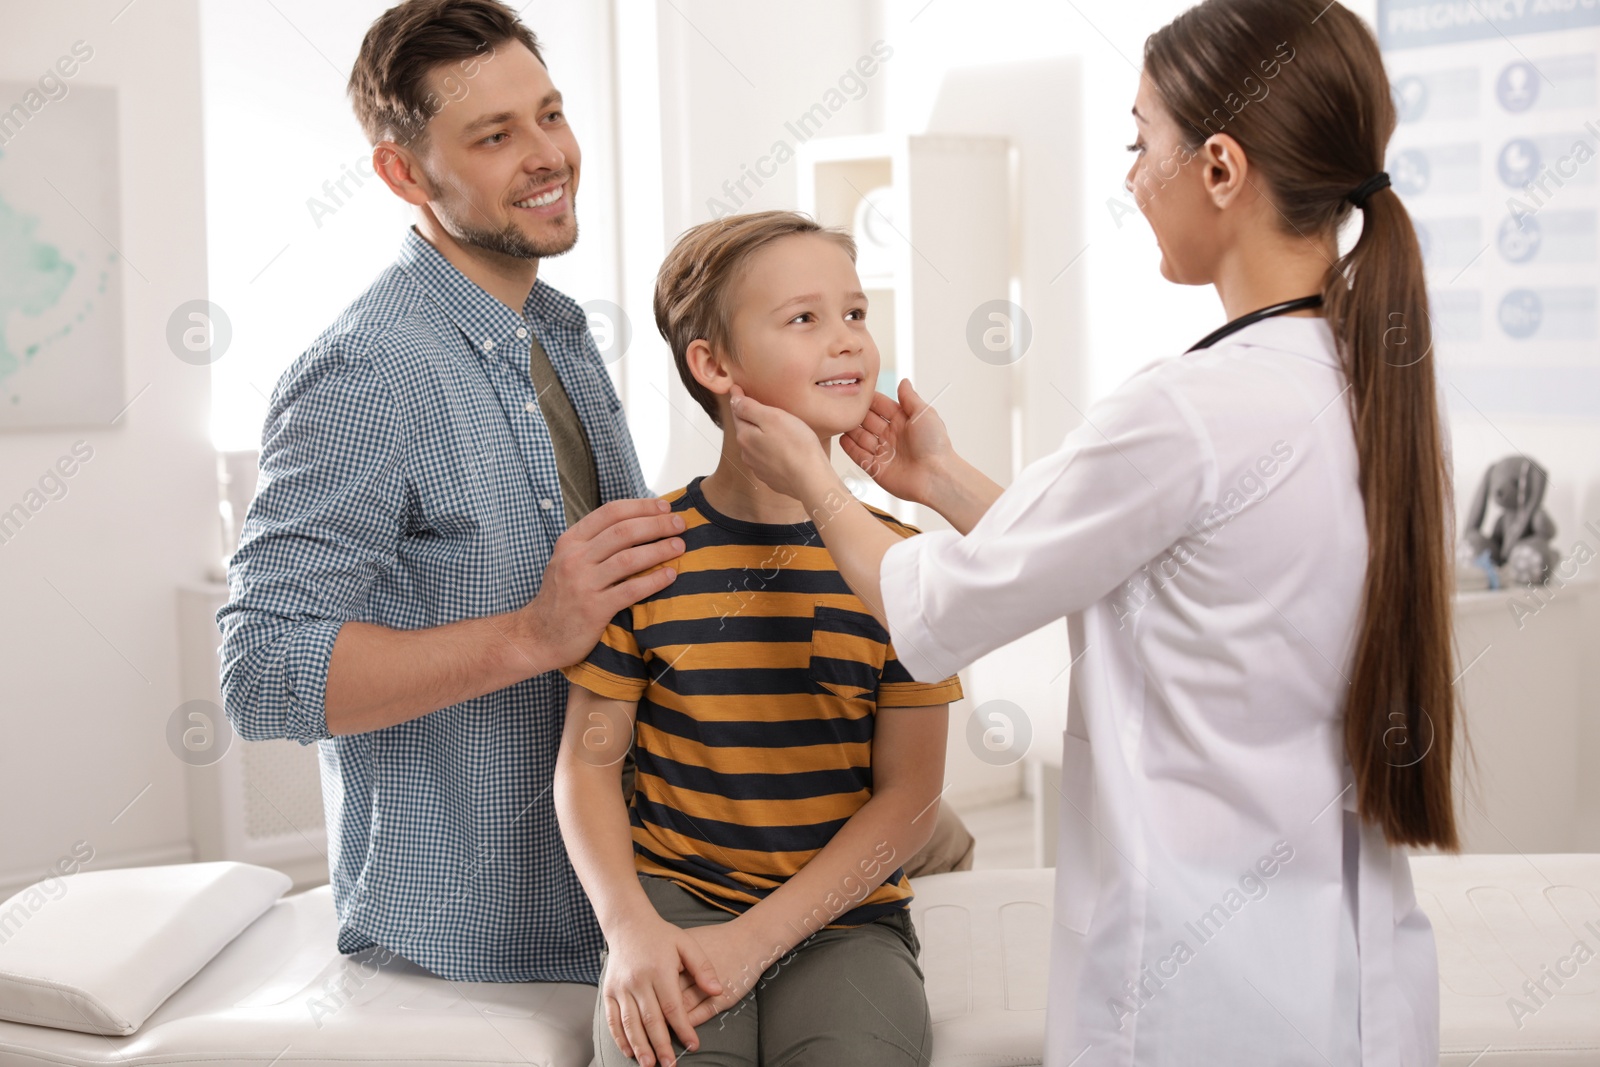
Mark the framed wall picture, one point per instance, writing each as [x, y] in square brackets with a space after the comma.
[61, 268]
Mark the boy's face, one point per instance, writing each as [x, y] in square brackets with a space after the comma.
[799, 329]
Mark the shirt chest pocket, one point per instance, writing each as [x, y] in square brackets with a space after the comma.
[848, 649]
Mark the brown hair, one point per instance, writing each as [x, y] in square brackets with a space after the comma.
[692, 287]
[388, 84]
[1319, 133]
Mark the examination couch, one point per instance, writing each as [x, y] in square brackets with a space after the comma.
[271, 988]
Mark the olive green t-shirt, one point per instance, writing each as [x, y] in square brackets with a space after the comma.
[580, 489]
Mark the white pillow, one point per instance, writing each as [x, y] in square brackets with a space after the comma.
[98, 951]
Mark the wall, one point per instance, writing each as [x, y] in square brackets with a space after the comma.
[89, 646]
[731, 83]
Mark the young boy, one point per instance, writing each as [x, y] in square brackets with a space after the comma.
[787, 765]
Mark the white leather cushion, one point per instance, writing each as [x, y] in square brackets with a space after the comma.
[98, 951]
[282, 989]
[986, 962]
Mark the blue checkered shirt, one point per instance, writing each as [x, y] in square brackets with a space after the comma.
[408, 479]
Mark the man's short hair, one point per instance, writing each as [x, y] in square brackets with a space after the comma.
[692, 287]
[389, 83]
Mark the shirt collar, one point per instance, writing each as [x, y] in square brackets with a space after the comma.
[1308, 336]
[490, 328]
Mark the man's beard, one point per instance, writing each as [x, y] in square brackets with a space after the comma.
[509, 240]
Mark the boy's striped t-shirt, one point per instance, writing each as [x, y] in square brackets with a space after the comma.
[757, 674]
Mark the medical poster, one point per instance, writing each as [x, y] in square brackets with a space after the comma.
[1495, 156]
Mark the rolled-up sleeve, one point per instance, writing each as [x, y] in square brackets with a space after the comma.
[1072, 528]
[325, 522]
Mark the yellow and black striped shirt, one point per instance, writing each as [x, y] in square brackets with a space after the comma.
[757, 675]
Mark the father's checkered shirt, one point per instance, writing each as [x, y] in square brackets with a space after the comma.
[408, 479]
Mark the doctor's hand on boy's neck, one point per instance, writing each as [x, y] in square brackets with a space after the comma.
[796, 339]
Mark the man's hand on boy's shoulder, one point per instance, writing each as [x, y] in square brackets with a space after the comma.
[613, 558]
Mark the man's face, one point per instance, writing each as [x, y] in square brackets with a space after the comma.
[500, 161]
[799, 330]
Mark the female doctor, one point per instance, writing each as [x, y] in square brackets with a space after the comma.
[1249, 543]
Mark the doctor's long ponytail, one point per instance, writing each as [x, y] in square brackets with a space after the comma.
[1301, 86]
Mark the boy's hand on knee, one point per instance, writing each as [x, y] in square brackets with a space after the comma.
[643, 999]
[738, 956]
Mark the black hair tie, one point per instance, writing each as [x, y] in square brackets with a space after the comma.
[1364, 191]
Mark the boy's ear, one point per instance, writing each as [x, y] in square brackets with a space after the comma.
[708, 368]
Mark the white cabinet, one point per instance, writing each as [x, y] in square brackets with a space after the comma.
[1523, 653]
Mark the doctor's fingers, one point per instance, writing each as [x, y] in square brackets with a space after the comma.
[883, 413]
[864, 440]
[870, 458]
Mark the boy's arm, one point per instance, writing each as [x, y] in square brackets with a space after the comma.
[590, 807]
[907, 780]
[647, 954]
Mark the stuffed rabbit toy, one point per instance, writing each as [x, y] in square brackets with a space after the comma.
[1520, 538]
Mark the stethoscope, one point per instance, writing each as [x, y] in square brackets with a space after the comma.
[1302, 304]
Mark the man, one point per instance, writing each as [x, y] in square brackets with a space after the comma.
[446, 514]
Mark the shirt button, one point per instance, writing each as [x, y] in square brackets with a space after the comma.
[530, 407]
[547, 503]
[521, 332]
[488, 346]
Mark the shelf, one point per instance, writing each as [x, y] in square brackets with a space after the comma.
[931, 215]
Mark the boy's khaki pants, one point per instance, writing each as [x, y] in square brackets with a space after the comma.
[841, 998]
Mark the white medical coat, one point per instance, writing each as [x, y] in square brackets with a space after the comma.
[1217, 900]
